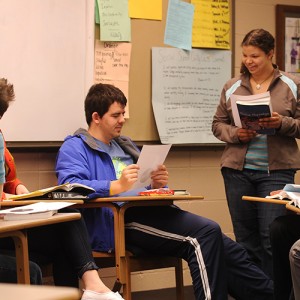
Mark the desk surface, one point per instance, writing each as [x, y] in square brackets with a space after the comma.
[146, 198]
[9, 203]
[275, 201]
[267, 200]
[7, 226]
[34, 292]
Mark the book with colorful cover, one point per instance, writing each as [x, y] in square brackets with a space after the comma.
[247, 110]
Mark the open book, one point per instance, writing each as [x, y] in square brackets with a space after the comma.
[247, 110]
[63, 191]
[40, 210]
[289, 192]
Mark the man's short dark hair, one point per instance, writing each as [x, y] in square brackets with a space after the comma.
[99, 99]
[7, 95]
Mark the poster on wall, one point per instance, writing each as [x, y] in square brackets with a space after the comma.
[186, 89]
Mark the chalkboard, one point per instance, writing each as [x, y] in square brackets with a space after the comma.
[46, 51]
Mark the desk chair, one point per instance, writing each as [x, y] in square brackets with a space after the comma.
[140, 263]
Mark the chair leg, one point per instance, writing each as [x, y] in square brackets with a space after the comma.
[179, 281]
[127, 284]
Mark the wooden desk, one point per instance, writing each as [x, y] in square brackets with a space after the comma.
[275, 201]
[35, 292]
[119, 222]
[119, 213]
[18, 231]
[267, 200]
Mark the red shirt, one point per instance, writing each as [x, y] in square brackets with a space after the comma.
[11, 180]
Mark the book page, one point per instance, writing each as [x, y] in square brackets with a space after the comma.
[36, 208]
[295, 197]
[150, 158]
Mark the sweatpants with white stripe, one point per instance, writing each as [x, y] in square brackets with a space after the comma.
[218, 265]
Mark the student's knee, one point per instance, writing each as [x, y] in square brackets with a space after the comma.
[211, 229]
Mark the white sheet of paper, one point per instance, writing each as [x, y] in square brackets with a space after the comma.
[150, 158]
[36, 207]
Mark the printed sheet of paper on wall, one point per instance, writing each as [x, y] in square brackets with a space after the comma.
[186, 88]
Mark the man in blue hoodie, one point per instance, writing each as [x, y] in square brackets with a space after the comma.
[106, 161]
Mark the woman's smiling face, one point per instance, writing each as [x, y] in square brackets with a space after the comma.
[256, 60]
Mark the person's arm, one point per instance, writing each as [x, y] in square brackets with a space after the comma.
[223, 127]
[289, 112]
[77, 163]
[1, 189]
[13, 185]
[125, 182]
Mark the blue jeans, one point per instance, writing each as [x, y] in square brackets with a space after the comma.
[8, 270]
[251, 220]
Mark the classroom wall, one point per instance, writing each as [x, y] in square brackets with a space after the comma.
[196, 169]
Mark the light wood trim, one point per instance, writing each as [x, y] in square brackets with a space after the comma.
[267, 200]
[35, 292]
[145, 198]
[293, 208]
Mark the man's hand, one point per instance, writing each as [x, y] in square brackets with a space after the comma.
[125, 182]
[159, 177]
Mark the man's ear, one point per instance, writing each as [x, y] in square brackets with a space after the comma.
[95, 117]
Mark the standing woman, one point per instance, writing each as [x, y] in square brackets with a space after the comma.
[255, 164]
